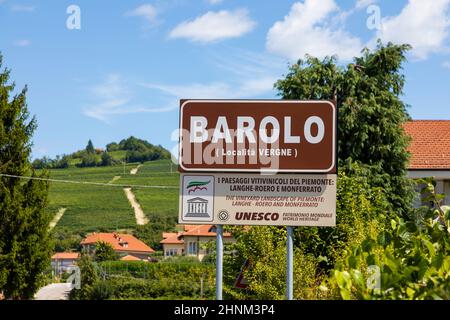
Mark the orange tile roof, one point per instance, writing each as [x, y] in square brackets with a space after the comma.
[130, 257]
[202, 230]
[118, 241]
[171, 238]
[66, 255]
[430, 145]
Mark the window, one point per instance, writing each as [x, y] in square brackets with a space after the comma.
[192, 248]
[171, 252]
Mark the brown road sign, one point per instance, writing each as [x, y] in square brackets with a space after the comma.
[257, 136]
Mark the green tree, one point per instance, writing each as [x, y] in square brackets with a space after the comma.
[88, 160]
[25, 245]
[88, 279]
[113, 146]
[107, 160]
[104, 252]
[371, 112]
[90, 147]
[373, 185]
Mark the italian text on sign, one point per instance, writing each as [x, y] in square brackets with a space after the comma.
[249, 199]
[257, 136]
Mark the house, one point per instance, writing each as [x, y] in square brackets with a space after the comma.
[191, 241]
[430, 152]
[63, 261]
[125, 245]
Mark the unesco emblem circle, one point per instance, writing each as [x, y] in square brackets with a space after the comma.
[224, 215]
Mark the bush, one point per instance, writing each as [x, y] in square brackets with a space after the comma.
[412, 259]
[361, 212]
[88, 160]
[144, 280]
[113, 146]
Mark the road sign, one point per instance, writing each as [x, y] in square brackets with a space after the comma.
[249, 199]
[241, 282]
[257, 136]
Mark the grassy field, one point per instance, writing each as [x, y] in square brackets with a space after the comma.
[95, 208]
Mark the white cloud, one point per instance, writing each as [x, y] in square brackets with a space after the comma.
[113, 97]
[360, 4]
[216, 90]
[446, 64]
[422, 24]
[22, 8]
[22, 43]
[249, 74]
[306, 30]
[215, 1]
[145, 11]
[214, 26]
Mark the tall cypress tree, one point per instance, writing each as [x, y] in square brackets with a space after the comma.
[90, 147]
[25, 244]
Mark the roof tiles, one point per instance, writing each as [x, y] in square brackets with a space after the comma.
[430, 145]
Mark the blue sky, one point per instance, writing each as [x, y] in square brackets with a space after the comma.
[124, 71]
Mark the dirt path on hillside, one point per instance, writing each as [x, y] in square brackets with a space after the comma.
[135, 170]
[115, 178]
[141, 219]
[57, 217]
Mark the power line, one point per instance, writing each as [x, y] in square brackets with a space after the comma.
[88, 183]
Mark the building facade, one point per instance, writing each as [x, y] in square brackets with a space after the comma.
[430, 153]
[192, 241]
[64, 261]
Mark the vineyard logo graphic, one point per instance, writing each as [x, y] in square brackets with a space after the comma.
[198, 198]
[197, 185]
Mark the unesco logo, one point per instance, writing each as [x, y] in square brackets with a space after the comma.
[224, 215]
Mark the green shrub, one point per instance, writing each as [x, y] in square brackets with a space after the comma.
[413, 259]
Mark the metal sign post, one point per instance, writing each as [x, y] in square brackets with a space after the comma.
[290, 263]
[219, 261]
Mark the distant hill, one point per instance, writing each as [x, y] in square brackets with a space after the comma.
[127, 150]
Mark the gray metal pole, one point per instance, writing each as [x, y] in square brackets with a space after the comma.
[290, 264]
[219, 262]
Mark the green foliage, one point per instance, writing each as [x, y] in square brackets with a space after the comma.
[89, 278]
[113, 146]
[90, 147]
[88, 207]
[143, 280]
[129, 150]
[88, 160]
[104, 252]
[94, 208]
[371, 113]
[24, 241]
[361, 211]
[265, 247]
[413, 258]
[151, 233]
[107, 159]
[65, 240]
